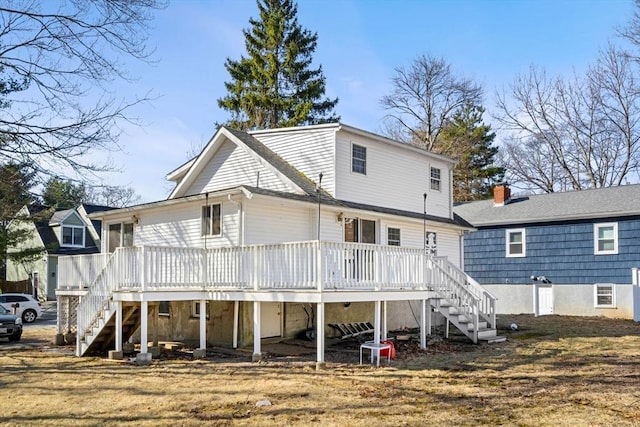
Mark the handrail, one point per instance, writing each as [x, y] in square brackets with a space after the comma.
[486, 300]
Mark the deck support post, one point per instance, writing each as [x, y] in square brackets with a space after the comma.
[257, 354]
[429, 318]
[376, 317]
[236, 313]
[203, 324]
[144, 357]
[118, 325]
[384, 321]
[320, 335]
[144, 326]
[201, 353]
[117, 354]
[423, 324]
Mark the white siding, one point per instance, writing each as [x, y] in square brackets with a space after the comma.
[396, 177]
[232, 166]
[411, 232]
[309, 151]
[273, 221]
[179, 226]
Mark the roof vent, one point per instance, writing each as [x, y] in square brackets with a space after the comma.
[501, 194]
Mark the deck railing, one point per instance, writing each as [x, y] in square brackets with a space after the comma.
[284, 266]
[79, 271]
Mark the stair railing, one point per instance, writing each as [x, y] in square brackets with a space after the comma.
[100, 292]
[486, 300]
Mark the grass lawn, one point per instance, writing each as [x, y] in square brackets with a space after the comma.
[560, 371]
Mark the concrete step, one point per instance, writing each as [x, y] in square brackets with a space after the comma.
[496, 339]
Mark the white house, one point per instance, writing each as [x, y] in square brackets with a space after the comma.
[264, 228]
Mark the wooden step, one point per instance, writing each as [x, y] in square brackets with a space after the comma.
[484, 334]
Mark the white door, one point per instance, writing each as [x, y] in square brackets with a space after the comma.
[270, 319]
[545, 300]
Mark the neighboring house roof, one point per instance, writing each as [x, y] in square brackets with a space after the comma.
[49, 238]
[571, 205]
[59, 216]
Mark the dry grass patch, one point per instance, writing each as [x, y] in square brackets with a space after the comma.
[560, 371]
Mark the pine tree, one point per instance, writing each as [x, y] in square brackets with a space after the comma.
[275, 86]
[469, 141]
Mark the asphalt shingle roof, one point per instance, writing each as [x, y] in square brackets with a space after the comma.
[571, 205]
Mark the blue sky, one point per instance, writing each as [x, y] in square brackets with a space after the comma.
[360, 43]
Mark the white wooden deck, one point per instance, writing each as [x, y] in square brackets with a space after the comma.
[313, 272]
[296, 266]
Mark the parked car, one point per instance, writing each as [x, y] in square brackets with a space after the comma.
[10, 325]
[29, 308]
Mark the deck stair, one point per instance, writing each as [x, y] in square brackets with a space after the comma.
[463, 302]
[101, 336]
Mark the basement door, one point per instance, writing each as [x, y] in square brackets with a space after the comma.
[270, 319]
[545, 300]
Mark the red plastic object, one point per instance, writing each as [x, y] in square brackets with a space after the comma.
[385, 352]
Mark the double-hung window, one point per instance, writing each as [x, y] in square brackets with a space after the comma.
[516, 243]
[605, 295]
[605, 238]
[435, 179]
[359, 159]
[393, 236]
[211, 221]
[73, 235]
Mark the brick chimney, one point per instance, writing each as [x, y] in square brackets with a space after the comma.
[501, 194]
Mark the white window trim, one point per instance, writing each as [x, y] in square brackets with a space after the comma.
[431, 179]
[596, 227]
[194, 309]
[365, 159]
[211, 219]
[71, 245]
[524, 242]
[399, 236]
[613, 295]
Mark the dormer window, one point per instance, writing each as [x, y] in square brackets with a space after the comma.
[73, 235]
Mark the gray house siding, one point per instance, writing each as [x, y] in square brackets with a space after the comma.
[562, 252]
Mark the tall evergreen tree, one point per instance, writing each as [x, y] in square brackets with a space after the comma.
[63, 194]
[467, 139]
[275, 85]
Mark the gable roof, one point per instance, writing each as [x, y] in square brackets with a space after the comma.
[571, 205]
[48, 236]
[58, 217]
[260, 152]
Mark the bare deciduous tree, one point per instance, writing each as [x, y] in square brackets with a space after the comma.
[425, 94]
[573, 133]
[54, 58]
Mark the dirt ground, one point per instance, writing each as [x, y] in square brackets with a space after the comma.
[554, 370]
